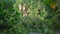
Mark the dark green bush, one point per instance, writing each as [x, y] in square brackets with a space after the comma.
[11, 21]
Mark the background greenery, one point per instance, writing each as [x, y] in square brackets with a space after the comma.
[42, 18]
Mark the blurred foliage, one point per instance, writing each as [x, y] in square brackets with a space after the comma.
[43, 17]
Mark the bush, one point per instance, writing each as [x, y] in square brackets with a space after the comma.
[11, 21]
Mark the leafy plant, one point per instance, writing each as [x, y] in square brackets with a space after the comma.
[12, 22]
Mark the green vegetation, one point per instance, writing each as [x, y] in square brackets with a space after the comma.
[25, 16]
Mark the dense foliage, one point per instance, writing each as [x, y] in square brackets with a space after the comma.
[43, 16]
